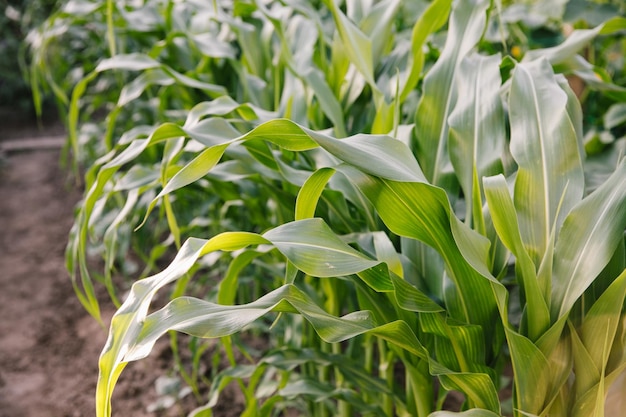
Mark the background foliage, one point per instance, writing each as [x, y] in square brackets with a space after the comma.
[16, 20]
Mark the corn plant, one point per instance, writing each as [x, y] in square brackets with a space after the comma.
[401, 206]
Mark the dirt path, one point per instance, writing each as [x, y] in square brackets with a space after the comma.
[49, 346]
[46, 341]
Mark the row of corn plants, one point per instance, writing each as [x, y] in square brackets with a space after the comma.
[405, 200]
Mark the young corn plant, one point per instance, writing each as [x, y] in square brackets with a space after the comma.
[410, 233]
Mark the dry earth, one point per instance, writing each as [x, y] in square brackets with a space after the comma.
[49, 346]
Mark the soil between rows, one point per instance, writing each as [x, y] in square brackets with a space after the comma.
[49, 345]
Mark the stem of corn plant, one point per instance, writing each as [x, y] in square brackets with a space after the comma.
[420, 387]
[334, 306]
[385, 370]
[110, 28]
[189, 379]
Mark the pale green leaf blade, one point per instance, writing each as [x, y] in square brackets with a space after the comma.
[284, 133]
[600, 323]
[136, 87]
[356, 44]
[378, 155]
[615, 115]
[544, 144]
[422, 211]
[477, 130]
[378, 26]
[386, 252]
[531, 371]
[313, 248]
[475, 412]
[130, 62]
[309, 194]
[127, 321]
[329, 103]
[587, 241]
[504, 219]
[411, 299]
[478, 387]
[435, 15]
[466, 26]
[575, 42]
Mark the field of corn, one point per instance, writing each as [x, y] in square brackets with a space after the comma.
[350, 207]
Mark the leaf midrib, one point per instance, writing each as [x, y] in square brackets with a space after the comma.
[579, 259]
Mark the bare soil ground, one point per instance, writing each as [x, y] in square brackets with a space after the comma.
[49, 345]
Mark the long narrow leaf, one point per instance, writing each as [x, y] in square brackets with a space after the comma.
[477, 131]
[466, 26]
[544, 144]
[587, 241]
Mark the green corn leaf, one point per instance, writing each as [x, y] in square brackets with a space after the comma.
[378, 26]
[592, 402]
[466, 26]
[587, 241]
[593, 348]
[310, 193]
[131, 62]
[136, 87]
[193, 171]
[531, 371]
[141, 62]
[575, 113]
[587, 373]
[133, 333]
[615, 115]
[125, 324]
[356, 44]
[422, 211]
[544, 144]
[601, 321]
[313, 248]
[475, 412]
[428, 265]
[478, 387]
[329, 103]
[362, 150]
[222, 106]
[411, 299]
[386, 252]
[228, 286]
[301, 65]
[460, 347]
[375, 154]
[435, 15]
[576, 41]
[504, 219]
[477, 131]
[322, 392]
[208, 320]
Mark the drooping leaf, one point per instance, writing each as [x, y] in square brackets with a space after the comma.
[422, 211]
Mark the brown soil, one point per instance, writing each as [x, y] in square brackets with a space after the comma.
[49, 345]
